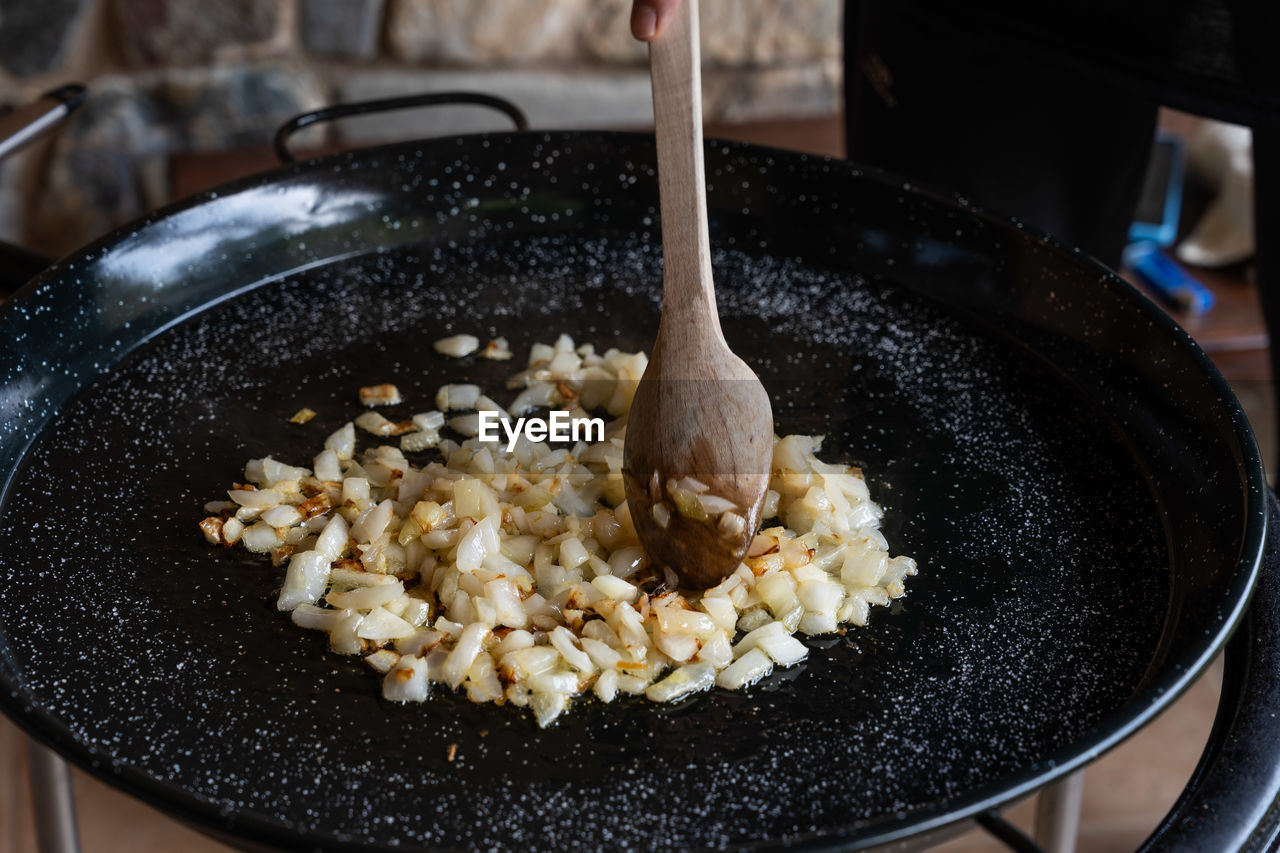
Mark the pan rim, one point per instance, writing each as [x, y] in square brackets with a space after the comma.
[1180, 673]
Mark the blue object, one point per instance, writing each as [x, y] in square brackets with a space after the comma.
[1159, 205]
[1170, 281]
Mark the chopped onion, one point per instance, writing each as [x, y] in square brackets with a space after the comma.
[380, 395]
[381, 625]
[517, 575]
[746, 670]
[457, 346]
[686, 680]
[407, 681]
[451, 398]
[304, 581]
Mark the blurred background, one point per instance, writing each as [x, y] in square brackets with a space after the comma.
[170, 78]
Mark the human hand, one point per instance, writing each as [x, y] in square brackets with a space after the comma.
[649, 17]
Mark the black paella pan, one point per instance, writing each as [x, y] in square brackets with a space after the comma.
[1078, 484]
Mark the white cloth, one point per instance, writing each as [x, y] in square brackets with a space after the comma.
[1222, 155]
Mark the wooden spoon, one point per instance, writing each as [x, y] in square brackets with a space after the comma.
[699, 411]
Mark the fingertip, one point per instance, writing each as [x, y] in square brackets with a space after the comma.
[644, 22]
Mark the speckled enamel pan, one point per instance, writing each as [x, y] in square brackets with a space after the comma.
[1077, 482]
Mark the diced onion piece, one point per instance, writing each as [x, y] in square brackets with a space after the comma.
[275, 472]
[714, 505]
[381, 625]
[373, 522]
[419, 642]
[498, 350]
[473, 499]
[547, 706]
[282, 516]
[416, 612]
[863, 567]
[342, 637]
[539, 395]
[778, 591]
[684, 681]
[572, 553]
[451, 398]
[602, 655]
[382, 660]
[416, 442]
[562, 640]
[753, 638]
[687, 504]
[342, 442]
[477, 543]
[606, 686]
[625, 562]
[302, 416]
[661, 514]
[731, 525]
[429, 421]
[508, 608]
[717, 651]
[407, 681]
[376, 423]
[721, 611]
[688, 484]
[261, 538]
[784, 649]
[365, 597]
[468, 425]
[355, 489]
[815, 624]
[317, 618]
[674, 620]
[256, 498]
[554, 681]
[385, 394]
[232, 530]
[820, 596]
[333, 538]
[525, 663]
[457, 346]
[304, 581]
[616, 588]
[341, 576]
[327, 467]
[464, 653]
[746, 670]
[212, 529]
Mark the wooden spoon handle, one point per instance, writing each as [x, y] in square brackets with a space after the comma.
[688, 295]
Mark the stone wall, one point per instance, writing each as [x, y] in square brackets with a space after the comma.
[175, 76]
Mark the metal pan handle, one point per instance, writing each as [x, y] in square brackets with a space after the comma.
[432, 99]
[1233, 799]
[28, 123]
[17, 129]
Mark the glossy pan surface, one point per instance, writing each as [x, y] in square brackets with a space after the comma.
[1077, 483]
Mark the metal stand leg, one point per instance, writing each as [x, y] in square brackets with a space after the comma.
[1058, 814]
[52, 800]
